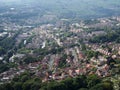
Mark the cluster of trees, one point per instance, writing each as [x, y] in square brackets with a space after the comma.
[23, 82]
[2, 51]
[91, 22]
[29, 59]
[90, 54]
[110, 37]
[27, 81]
[7, 48]
[6, 45]
[3, 67]
[45, 51]
[62, 62]
[41, 53]
[6, 66]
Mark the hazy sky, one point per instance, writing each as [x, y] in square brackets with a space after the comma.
[10, 0]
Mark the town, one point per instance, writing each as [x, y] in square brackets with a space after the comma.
[59, 45]
[60, 50]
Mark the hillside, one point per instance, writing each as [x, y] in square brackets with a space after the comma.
[74, 8]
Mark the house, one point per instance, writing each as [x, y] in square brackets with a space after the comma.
[81, 56]
[78, 71]
[3, 34]
[1, 58]
[19, 56]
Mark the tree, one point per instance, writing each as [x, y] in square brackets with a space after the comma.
[36, 83]
[83, 89]
[56, 86]
[27, 85]
[68, 83]
[97, 87]
[103, 86]
[79, 82]
[3, 67]
[17, 86]
[35, 86]
[108, 85]
[2, 51]
[29, 59]
[24, 78]
[92, 80]
[62, 62]
[7, 86]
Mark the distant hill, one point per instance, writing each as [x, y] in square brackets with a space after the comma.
[75, 8]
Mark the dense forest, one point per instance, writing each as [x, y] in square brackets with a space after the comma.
[26, 82]
[113, 36]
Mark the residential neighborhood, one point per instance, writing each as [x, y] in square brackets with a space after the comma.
[65, 52]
